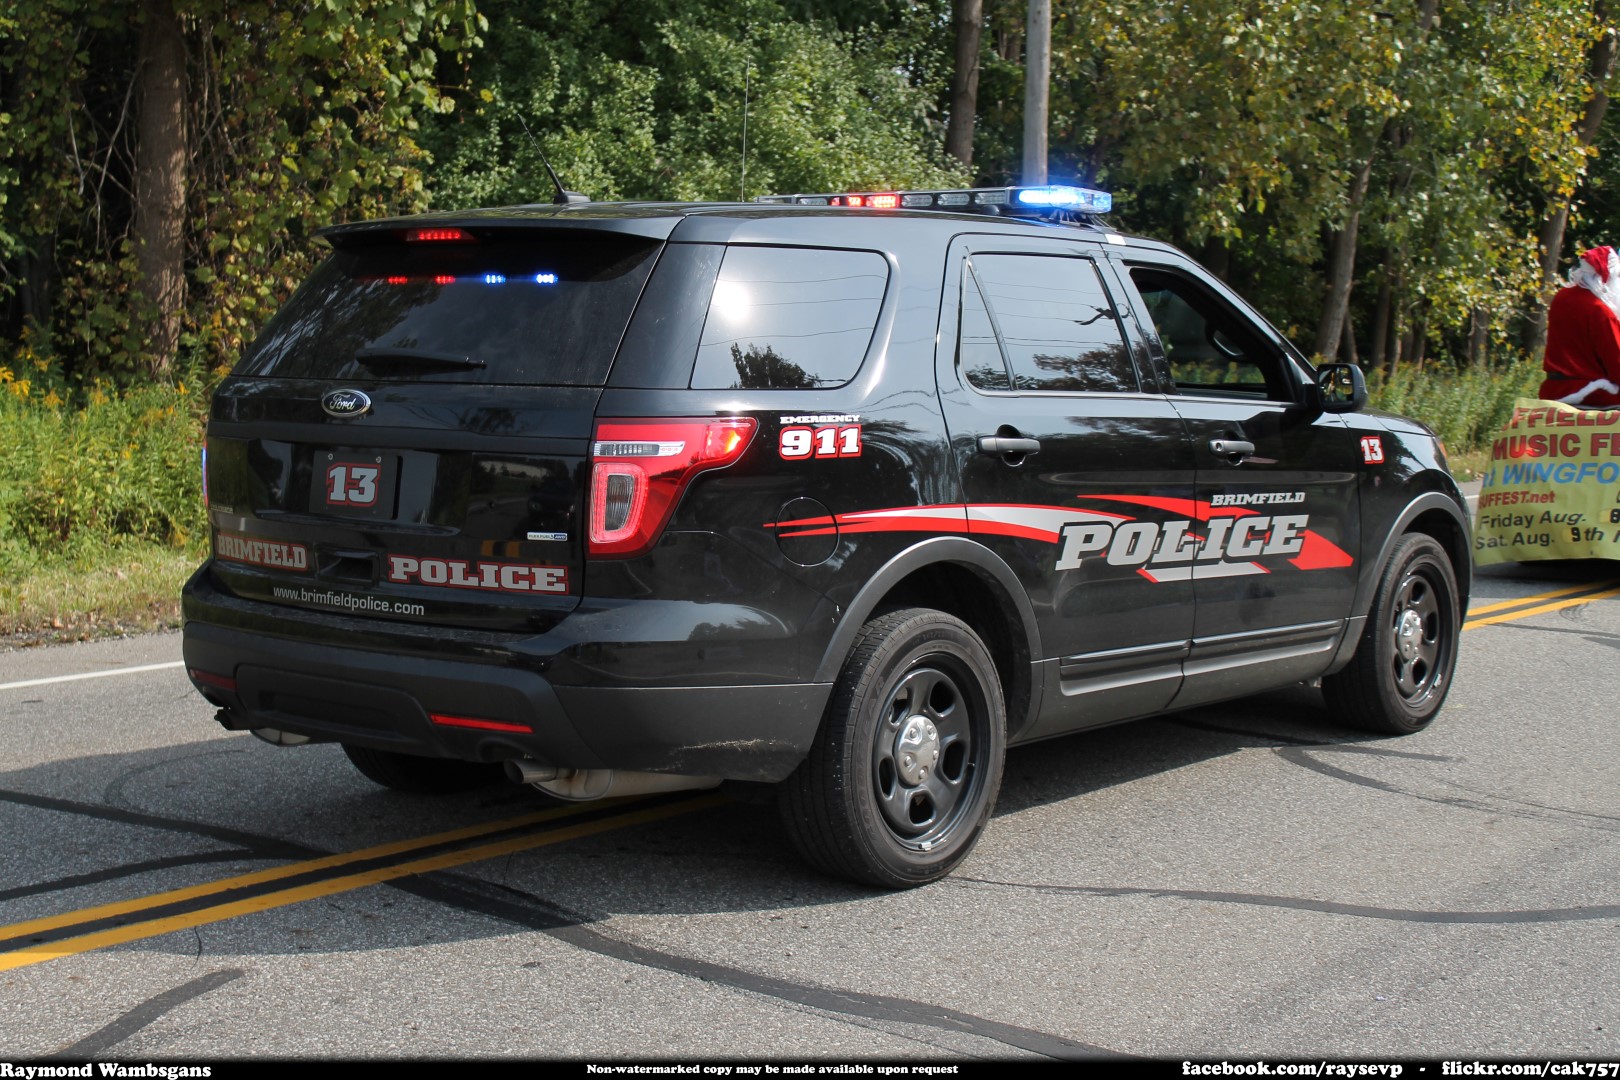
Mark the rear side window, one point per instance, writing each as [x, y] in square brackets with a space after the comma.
[789, 318]
[978, 351]
[1055, 323]
[544, 308]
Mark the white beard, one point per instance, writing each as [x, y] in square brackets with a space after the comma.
[1606, 291]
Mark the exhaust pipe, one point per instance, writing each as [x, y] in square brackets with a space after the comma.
[277, 737]
[584, 785]
[525, 771]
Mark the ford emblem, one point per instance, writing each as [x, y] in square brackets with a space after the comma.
[343, 403]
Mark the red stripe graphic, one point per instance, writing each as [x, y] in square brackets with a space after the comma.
[1320, 553]
[1026, 521]
[1189, 508]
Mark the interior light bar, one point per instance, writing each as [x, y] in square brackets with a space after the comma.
[1036, 201]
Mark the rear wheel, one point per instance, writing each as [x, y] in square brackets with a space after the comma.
[905, 769]
[420, 775]
[1402, 668]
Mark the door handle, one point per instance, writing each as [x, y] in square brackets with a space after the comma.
[1237, 449]
[1002, 445]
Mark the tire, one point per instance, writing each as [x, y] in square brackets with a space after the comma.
[419, 775]
[905, 769]
[1402, 669]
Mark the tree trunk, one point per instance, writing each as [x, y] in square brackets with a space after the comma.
[1217, 258]
[1380, 325]
[1600, 65]
[1342, 260]
[1479, 325]
[1342, 266]
[160, 178]
[967, 20]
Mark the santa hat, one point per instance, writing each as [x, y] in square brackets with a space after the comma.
[1598, 259]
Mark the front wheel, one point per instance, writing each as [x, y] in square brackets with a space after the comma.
[1402, 668]
[905, 769]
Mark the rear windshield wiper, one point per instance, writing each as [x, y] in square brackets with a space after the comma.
[398, 355]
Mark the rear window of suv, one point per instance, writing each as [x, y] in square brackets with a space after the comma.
[543, 308]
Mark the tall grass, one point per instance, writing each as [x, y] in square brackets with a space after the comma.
[117, 467]
[1464, 406]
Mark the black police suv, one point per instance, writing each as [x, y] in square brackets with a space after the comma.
[844, 493]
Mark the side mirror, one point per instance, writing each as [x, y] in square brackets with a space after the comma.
[1341, 388]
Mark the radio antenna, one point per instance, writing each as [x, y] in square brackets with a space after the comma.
[742, 188]
[563, 197]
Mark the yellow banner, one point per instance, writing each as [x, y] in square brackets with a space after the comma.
[1553, 488]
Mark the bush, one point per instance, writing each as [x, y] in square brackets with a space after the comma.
[121, 466]
[1464, 406]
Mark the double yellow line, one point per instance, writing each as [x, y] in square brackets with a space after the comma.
[1540, 603]
[35, 941]
[21, 943]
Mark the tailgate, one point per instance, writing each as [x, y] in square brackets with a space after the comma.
[409, 437]
[466, 513]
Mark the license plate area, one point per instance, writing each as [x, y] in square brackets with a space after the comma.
[354, 483]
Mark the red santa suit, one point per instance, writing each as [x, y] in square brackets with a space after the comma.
[1583, 335]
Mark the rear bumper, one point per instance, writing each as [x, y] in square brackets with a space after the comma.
[265, 673]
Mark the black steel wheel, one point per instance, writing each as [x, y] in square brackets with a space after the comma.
[905, 769]
[1402, 668]
[420, 775]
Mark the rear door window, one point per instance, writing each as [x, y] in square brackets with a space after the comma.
[541, 308]
[789, 318]
[1056, 326]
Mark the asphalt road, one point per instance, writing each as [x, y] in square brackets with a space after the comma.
[1248, 880]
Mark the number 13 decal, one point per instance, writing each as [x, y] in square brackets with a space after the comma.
[799, 443]
[348, 484]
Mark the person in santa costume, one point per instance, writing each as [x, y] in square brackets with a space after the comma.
[1583, 335]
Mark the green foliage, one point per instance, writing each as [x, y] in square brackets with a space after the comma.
[1237, 131]
[1464, 407]
[296, 116]
[647, 101]
[116, 467]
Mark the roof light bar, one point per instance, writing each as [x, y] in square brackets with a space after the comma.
[1084, 200]
[1039, 201]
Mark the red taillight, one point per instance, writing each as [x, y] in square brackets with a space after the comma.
[397, 279]
[208, 678]
[479, 725]
[438, 235]
[886, 201]
[639, 469]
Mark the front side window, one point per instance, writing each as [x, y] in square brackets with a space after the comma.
[789, 318]
[1053, 325]
[1209, 347]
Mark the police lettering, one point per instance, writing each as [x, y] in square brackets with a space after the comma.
[461, 574]
[1139, 543]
